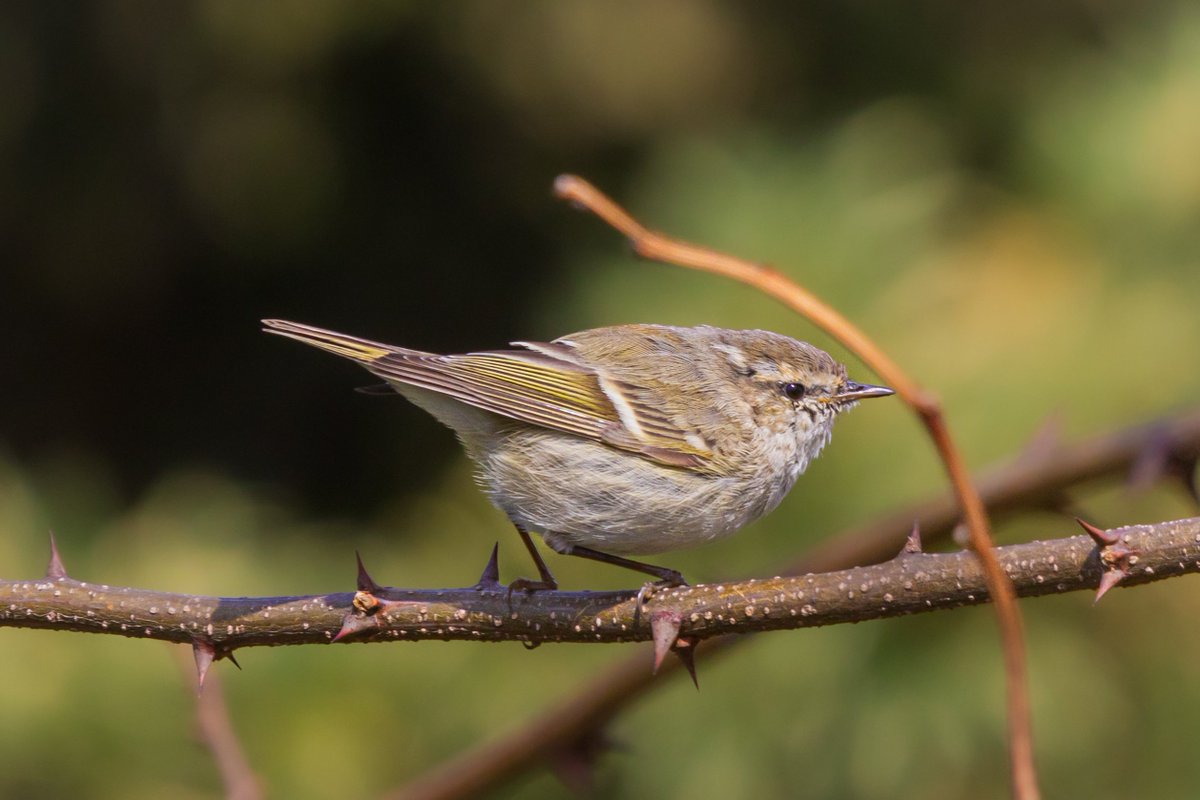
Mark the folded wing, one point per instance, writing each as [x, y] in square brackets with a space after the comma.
[542, 386]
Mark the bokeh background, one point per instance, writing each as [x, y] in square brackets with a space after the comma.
[1007, 195]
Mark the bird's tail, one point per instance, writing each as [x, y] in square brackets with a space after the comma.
[364, 351]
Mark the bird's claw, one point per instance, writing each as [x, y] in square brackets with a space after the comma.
[528, 586]
[669, 580]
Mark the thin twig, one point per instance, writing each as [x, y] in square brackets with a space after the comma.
[656, 246]
[216, 731]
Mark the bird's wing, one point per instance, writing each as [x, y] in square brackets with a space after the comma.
[543, 385]
[543, 390]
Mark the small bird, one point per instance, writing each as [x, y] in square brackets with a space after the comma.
[631, 439]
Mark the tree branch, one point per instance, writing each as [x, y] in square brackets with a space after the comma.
[59, 602]
[912, 582]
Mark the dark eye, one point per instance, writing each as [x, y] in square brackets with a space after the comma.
[793, 391]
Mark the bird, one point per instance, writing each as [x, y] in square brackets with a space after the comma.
[624, 440]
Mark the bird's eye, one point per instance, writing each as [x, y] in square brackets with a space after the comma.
[793, 391]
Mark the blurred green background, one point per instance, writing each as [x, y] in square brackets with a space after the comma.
[1006, 195]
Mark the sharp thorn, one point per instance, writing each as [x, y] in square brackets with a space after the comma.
[1107, 581]
[352, 624]
[229, 655]
[686, 650]
[55, 569]
[365, 582]
[1101, 537]
[664, 625]
[490, 579]
[913, 543]
[205, 654]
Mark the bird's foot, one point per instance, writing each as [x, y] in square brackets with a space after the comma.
[526, 585]
[669, 579]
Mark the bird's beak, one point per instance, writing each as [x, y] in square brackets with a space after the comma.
[852, 392]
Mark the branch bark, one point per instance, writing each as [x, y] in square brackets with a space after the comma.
[910, 583]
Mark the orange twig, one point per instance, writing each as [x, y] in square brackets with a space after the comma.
[658, 247]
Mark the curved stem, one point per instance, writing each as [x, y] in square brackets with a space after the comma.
[658, 247]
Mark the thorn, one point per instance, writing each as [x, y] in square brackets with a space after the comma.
[354, 623]
[55, 569]
[1116, 557]
[1101, 537]
[490, 579]
[204, 653]
[665, 627]
[913, 543]
[365, 582]
[229, 655]
[685, 648]
[1107, 581]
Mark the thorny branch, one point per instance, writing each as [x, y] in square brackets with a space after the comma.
[216, 626]
[911, 582]
[1035, 479]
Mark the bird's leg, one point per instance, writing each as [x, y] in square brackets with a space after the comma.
[668, 577]
[547, 581]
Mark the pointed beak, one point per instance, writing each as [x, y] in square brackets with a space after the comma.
[853, 392]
